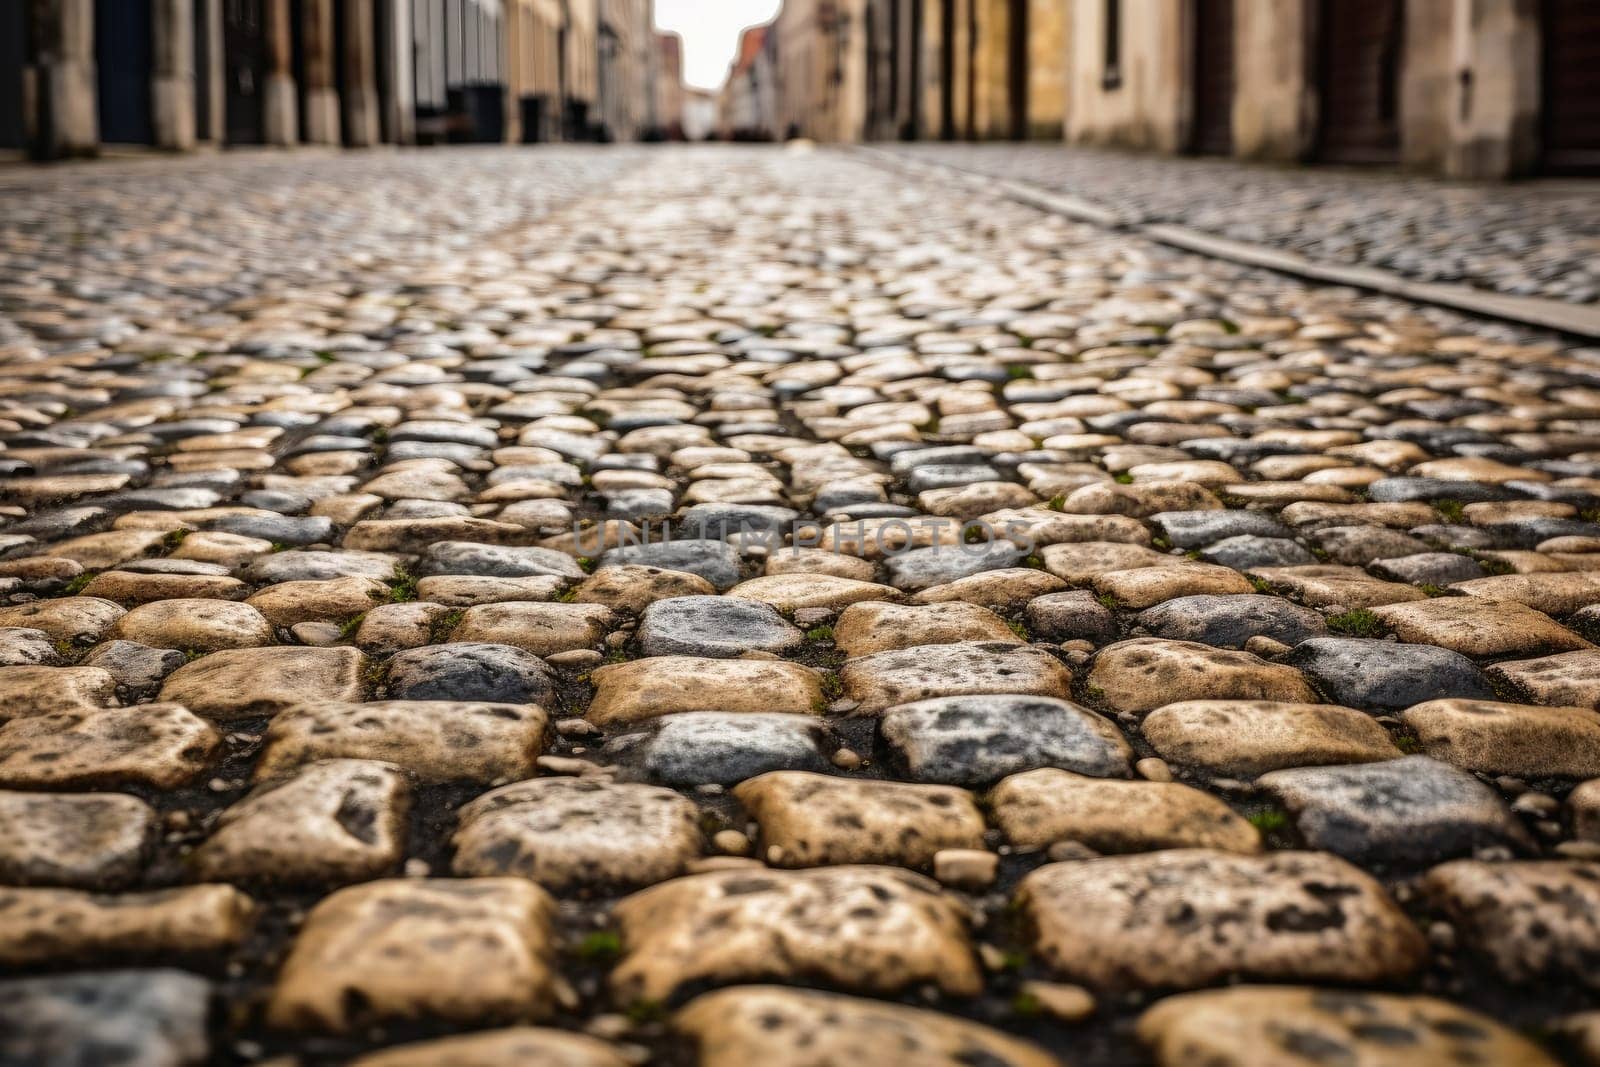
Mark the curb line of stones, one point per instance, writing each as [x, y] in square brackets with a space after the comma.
[1527, 311]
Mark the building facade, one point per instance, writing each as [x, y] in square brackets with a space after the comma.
[77, 76]
[533, 70]
[699, 114]
[1463, 88]
[746, 103]
[669, 87]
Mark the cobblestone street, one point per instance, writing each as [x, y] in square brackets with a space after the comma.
[1534, 239]
[726, 606]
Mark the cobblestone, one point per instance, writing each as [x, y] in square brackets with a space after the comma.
[1537, 240]
[486, 605]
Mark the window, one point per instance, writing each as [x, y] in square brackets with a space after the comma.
[1111, 77]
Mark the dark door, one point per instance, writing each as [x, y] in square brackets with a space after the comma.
[1571, 86]
[202, 72]
[1213, 77]
[911, 127]
[1017, 68]
[383, 40]
[1362, 43]
[297, 61]
[243, 69]
[13, 56]
[122, 56]
[533, 112]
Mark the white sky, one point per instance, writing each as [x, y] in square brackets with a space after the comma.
[710, 32]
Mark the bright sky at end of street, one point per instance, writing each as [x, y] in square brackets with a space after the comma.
[710, 32]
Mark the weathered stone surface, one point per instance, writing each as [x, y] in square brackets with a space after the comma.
[977, 740]
[467, 590]
[395, 627]
[461, 951]
[1290, 1025]
[721, 627]
[1405, 812]
[1079, 563]
[542, 629]
[243, 683]
[925, 568]
[433, 740]
[715, 561]
[336, 821]
[194, 624]
[1496, 738]
[794, 592]
[330, 600]
[866, 628]
[1191, 529]
[1230, 621]
[496, 561]
[1194, 917]
[56, 926]
[469, 670]
[1367, 673]
[1071, 616]
[1568, 678]
[77, 618]
[1328, 585]
[1251, 737]
[793, 1028]
[138, 669]
[632, 588]
[26, 691]
[811, 820]
[571, 834]
[1531, 920]
[863, 929]
[1474, 626]
[1041, 807]
[973, 444]
[1145, 587]
[508, 1047]
[885, 679]
[24, 647]
[1139, 501]
[75, 840]
[312, 566]
[1142, 674]
[663, 685]
[697, 747]
[159, 745]
[154, 1018]
[1551, 593]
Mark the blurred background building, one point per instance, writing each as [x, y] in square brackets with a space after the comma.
[1463, 88]
[79, 75]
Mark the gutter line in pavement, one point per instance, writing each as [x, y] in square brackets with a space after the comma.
[1576, 319]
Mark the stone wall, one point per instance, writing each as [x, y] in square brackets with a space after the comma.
[1047, 68]
[1274, 102]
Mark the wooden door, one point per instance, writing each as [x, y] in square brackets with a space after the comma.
[1362, 42]
[1213, 77]
[1571, 126]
